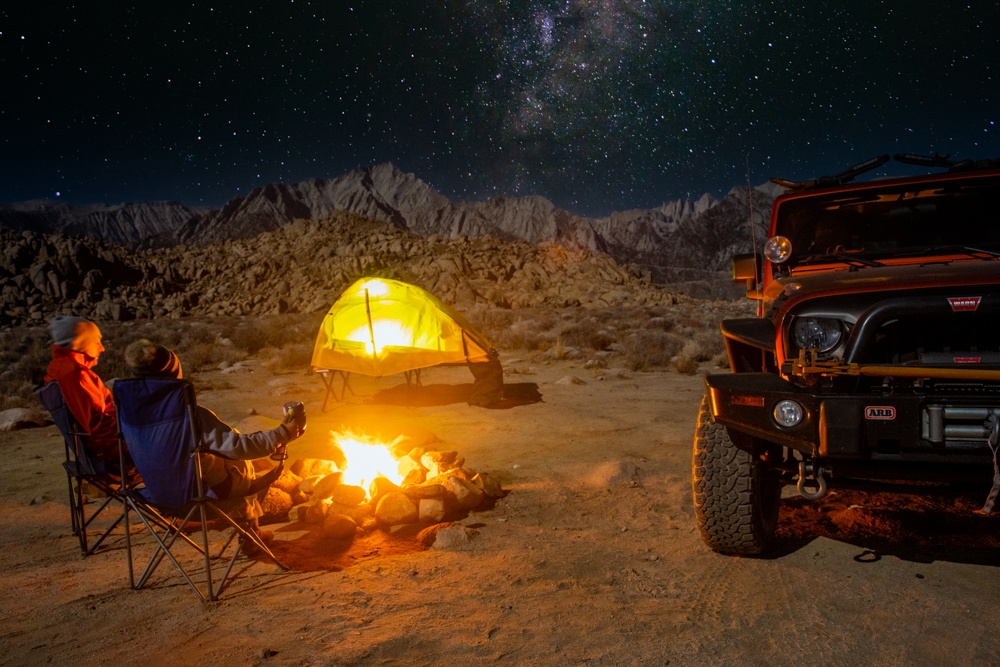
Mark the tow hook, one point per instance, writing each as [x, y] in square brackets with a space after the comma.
[807, 470]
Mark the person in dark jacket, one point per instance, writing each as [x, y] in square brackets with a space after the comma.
[76, 347]
[225, 451]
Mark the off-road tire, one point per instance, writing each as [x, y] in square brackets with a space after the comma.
[735, 497]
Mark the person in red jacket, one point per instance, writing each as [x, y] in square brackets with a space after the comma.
[76, 346]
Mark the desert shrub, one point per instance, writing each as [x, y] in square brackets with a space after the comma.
[587, 333]
[660, 323]
[295, 356]
[253, 335]
[685, 365]
[24, 354]
[703, 346]
[210, 355]
[490, 320]
[645, 349]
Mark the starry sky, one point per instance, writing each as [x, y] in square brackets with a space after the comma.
[599, 105]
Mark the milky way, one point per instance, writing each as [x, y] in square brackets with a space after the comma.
[598, 105]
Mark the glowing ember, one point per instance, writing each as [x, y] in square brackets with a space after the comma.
[366, 458]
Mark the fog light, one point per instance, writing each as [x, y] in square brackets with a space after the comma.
[788, 413]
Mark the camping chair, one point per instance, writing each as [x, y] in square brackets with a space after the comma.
[81, 466]
[156, 418]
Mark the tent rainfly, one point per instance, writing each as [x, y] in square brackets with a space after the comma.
[381, 327]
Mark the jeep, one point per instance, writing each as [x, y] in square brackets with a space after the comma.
[875, 353]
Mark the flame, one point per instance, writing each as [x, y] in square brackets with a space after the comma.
[366, 458]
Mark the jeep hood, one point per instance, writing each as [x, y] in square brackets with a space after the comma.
[961, 275]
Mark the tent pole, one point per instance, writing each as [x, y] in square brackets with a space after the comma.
[371, 330]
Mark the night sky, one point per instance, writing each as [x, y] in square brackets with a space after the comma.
[599, 105]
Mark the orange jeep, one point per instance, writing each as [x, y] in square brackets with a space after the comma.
[875, 354]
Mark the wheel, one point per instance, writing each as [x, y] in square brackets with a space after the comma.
[736, 497]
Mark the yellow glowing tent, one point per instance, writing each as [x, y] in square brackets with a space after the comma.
[380, 327]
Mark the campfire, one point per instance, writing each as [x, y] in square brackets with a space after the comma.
[370, 485]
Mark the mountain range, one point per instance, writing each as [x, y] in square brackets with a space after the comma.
[677, 242]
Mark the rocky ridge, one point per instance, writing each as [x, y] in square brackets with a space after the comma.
[126, 224]
[301, 267]
[695, 238]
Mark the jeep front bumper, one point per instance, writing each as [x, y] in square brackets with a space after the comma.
[895, 427]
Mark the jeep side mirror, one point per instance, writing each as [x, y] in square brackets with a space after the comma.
[747, 269]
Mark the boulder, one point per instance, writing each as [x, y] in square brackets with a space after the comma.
[16, 419]
[298, 512]
[488, 484]
[316, 512]
[325, 487]
[358, 512]
[415, 476]
[408, 464]
[276, 506]
[339, 527]
[287, 482]
[428, 535]
[454, 538]
[310, 467]
[348, 494]
[395, 508]
[379, 487]
[429, 458]
[308, 484]
[425, 491]
[431, 510]
[466, 494]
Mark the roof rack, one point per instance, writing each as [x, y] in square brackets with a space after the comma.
[942, 161]
[845, 176]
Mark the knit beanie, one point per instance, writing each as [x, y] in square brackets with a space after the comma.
[73, 333]
[147, 359]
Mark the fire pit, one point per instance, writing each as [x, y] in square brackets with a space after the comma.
[367, 485]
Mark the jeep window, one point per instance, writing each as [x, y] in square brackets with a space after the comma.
[924, 219]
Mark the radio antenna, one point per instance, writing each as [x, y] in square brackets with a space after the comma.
[753, 230]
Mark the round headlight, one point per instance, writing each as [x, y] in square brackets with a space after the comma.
[778, 249]
[788, 413]
[821, 333]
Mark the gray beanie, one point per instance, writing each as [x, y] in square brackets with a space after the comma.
[74, 333]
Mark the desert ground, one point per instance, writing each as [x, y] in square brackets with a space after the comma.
[592, 558]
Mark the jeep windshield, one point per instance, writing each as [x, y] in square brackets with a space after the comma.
[960, 216]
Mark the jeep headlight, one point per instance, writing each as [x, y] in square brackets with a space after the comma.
[822, 333]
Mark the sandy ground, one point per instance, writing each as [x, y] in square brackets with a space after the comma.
[592, 558]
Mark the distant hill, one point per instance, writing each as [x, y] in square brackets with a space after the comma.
[678, 242]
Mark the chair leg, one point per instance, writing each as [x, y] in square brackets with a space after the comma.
[247, 534]
[72, 506]
[81, 518]
[208, 557]
[229, 567]
[128, 542]
[164, 548]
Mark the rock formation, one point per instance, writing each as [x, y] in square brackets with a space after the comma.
[302, 267]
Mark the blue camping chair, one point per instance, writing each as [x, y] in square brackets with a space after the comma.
[81, 466]
[156, 418]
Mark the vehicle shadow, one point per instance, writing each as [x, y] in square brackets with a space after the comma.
[919, 524]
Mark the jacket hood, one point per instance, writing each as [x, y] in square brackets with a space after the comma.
[79, 358]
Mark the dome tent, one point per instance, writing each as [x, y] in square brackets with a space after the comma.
[381, 327]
